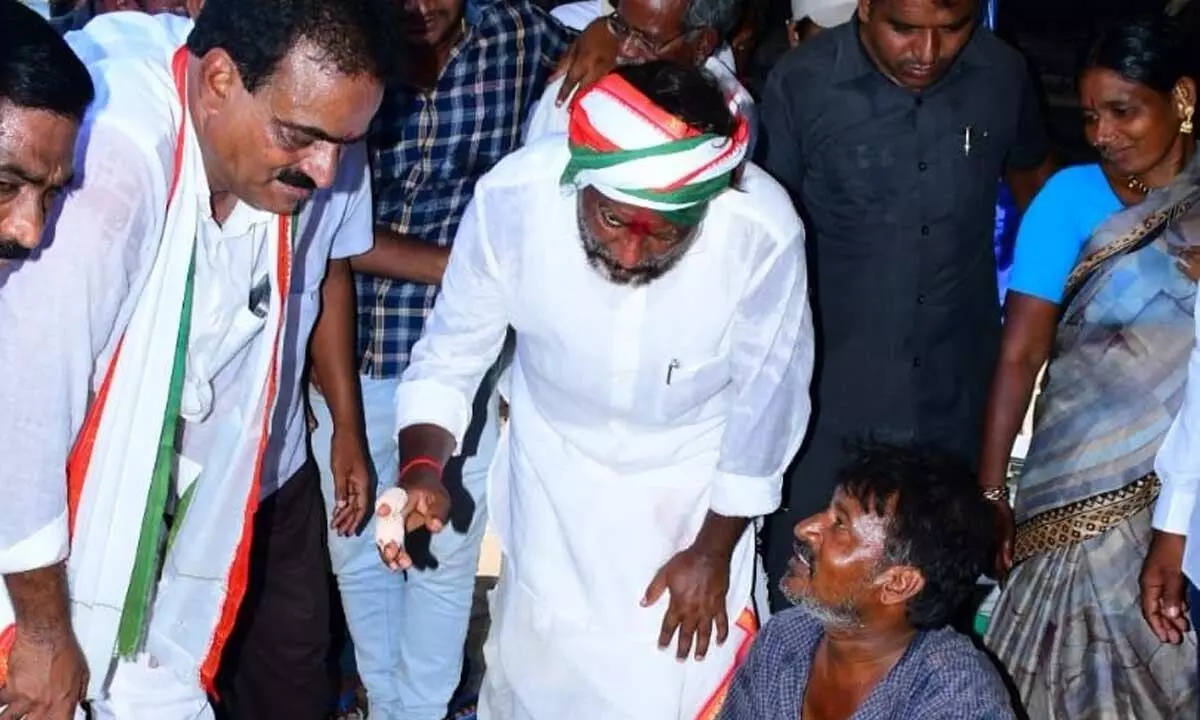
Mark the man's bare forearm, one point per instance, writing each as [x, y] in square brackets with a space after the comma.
[719, 535]
[333, 348]
[40, 601]
[403, 257]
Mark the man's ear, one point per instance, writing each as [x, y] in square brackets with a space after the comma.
[217, 80]
[900, 584]
[864, 10]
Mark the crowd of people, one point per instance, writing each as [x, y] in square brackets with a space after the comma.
[298, 297]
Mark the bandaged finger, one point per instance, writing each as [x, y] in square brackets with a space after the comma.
[389, 518]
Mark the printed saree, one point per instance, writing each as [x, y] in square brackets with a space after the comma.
[1068, 626]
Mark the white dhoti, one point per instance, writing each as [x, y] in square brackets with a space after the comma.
[581, 542]
[143, 690]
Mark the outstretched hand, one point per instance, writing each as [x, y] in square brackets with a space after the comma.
[697, 583]
[425, 504]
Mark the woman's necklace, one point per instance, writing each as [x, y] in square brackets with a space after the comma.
[1136, 184]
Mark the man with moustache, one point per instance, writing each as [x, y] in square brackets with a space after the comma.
[150, 359]
[44, 92]
[659, 387]
[473, 72]
[876, 579]
[891, 132]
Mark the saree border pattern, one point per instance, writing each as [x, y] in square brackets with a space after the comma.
[1082, 520]
[1145, 228]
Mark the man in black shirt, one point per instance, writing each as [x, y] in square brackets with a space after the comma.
[892, 133]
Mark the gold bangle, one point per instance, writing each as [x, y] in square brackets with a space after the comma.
[995, 494]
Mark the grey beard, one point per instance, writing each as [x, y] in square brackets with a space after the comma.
[840, 616]
[649, 270]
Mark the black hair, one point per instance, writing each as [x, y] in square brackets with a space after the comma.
[938, 522]
[354, 36]
[38, 70]
[689, 93]
[720, 15]
[1151, 50]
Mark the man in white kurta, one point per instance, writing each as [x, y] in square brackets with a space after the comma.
[44, 93]
[643, 412]
[183, 215]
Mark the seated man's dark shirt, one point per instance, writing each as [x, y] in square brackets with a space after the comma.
[941, 676]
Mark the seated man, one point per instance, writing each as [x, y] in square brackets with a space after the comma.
[659, 387]
[876, 579]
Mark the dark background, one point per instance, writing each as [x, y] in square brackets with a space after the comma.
[1052, 34]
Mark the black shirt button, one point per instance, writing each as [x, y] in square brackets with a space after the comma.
[919, 101]
[921, 299]
[922, 166]
[916, 362]
[925, 230]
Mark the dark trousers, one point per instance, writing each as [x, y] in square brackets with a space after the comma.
[276, 662]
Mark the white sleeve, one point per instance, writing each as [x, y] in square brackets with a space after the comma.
[771, 360]
[356, 233]
[463, 335]
[1178, 460]
[59, 311]
[547, 118]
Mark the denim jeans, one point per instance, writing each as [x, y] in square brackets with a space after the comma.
[409, 629]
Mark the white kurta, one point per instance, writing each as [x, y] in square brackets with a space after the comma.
[63, 313]
[633, 412]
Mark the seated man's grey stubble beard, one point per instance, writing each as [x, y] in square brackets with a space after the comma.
[833, 616]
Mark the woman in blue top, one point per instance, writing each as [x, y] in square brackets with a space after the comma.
[1101, 288]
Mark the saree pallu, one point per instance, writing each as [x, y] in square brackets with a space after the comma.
[1068, 625]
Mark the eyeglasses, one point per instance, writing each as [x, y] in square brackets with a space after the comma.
[622, 32]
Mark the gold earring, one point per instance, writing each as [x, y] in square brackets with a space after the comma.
[1186, 127]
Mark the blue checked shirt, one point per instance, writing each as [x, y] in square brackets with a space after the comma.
[942, 676]
[429, 149]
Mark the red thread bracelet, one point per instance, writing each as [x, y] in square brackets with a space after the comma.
[418, 462]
